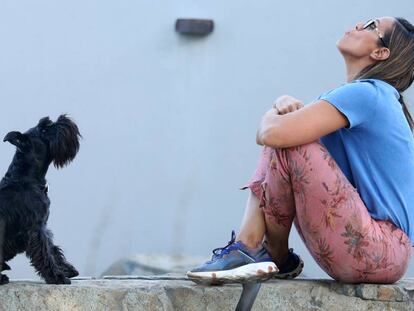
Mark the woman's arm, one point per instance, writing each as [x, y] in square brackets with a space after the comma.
[299, 127]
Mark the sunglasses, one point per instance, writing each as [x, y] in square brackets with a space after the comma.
[373, 25]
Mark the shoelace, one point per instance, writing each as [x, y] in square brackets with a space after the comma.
[217, 252]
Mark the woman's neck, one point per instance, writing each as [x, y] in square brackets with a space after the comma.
[354, 67]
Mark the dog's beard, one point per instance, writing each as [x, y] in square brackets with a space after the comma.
[65, 144]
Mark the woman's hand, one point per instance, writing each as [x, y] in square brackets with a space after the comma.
[267, 120]
[282, 105]
[286, 103]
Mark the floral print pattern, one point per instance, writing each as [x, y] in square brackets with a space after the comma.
[304, 185]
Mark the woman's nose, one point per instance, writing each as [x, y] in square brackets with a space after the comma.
[359, 26]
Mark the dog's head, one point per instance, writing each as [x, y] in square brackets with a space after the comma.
[48, 141]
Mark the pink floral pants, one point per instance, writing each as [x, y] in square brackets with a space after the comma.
[304, 185]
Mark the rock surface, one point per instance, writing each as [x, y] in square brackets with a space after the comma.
[153, 264]
[177, 293]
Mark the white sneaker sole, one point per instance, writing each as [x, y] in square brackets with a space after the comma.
[260, 271]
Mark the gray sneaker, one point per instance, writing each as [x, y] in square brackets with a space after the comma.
[234, 263]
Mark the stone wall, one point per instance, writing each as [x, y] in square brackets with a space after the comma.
[177, 293]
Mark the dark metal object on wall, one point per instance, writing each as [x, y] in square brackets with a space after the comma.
[248, 296]
[192, 26]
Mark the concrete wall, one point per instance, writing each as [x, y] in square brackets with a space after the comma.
[168, 121]
[171, 293]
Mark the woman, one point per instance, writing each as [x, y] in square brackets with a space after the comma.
[350, 194]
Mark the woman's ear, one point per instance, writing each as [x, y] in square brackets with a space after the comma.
[382, 53]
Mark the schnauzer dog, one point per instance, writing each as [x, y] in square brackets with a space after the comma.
[24, 204]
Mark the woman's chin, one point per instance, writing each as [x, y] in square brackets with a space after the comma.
[340, 43]
[341, 46]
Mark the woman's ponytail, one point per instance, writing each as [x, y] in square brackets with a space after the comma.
[406, 112]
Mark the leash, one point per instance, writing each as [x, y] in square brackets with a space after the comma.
[248, 296]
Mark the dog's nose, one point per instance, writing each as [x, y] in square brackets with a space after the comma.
[12, 136]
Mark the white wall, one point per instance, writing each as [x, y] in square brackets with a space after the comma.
[168, 121]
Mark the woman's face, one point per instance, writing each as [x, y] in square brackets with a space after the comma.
[360, 43]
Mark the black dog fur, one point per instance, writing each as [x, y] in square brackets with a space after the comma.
[24, 204]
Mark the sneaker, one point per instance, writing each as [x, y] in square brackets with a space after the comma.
[291, 268]
[234, 263]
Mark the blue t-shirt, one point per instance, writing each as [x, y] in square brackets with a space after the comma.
[376, 151]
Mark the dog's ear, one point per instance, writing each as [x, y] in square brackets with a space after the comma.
[65, 144]
[45, 122]
[18, 139]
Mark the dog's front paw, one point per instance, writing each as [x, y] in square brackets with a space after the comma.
[70, 271]
[57, 279]
[4, 279]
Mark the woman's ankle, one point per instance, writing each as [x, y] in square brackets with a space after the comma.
[250, 242]
[280, 259]
[278, 255]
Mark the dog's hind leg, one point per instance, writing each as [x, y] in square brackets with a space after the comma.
[5, 267]
[3, 278]
[40, 251]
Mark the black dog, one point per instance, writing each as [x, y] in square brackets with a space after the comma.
[24, 204]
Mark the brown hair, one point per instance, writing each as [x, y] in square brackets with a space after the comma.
[398, 69]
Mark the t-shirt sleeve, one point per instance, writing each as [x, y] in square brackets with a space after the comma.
[355, 100]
